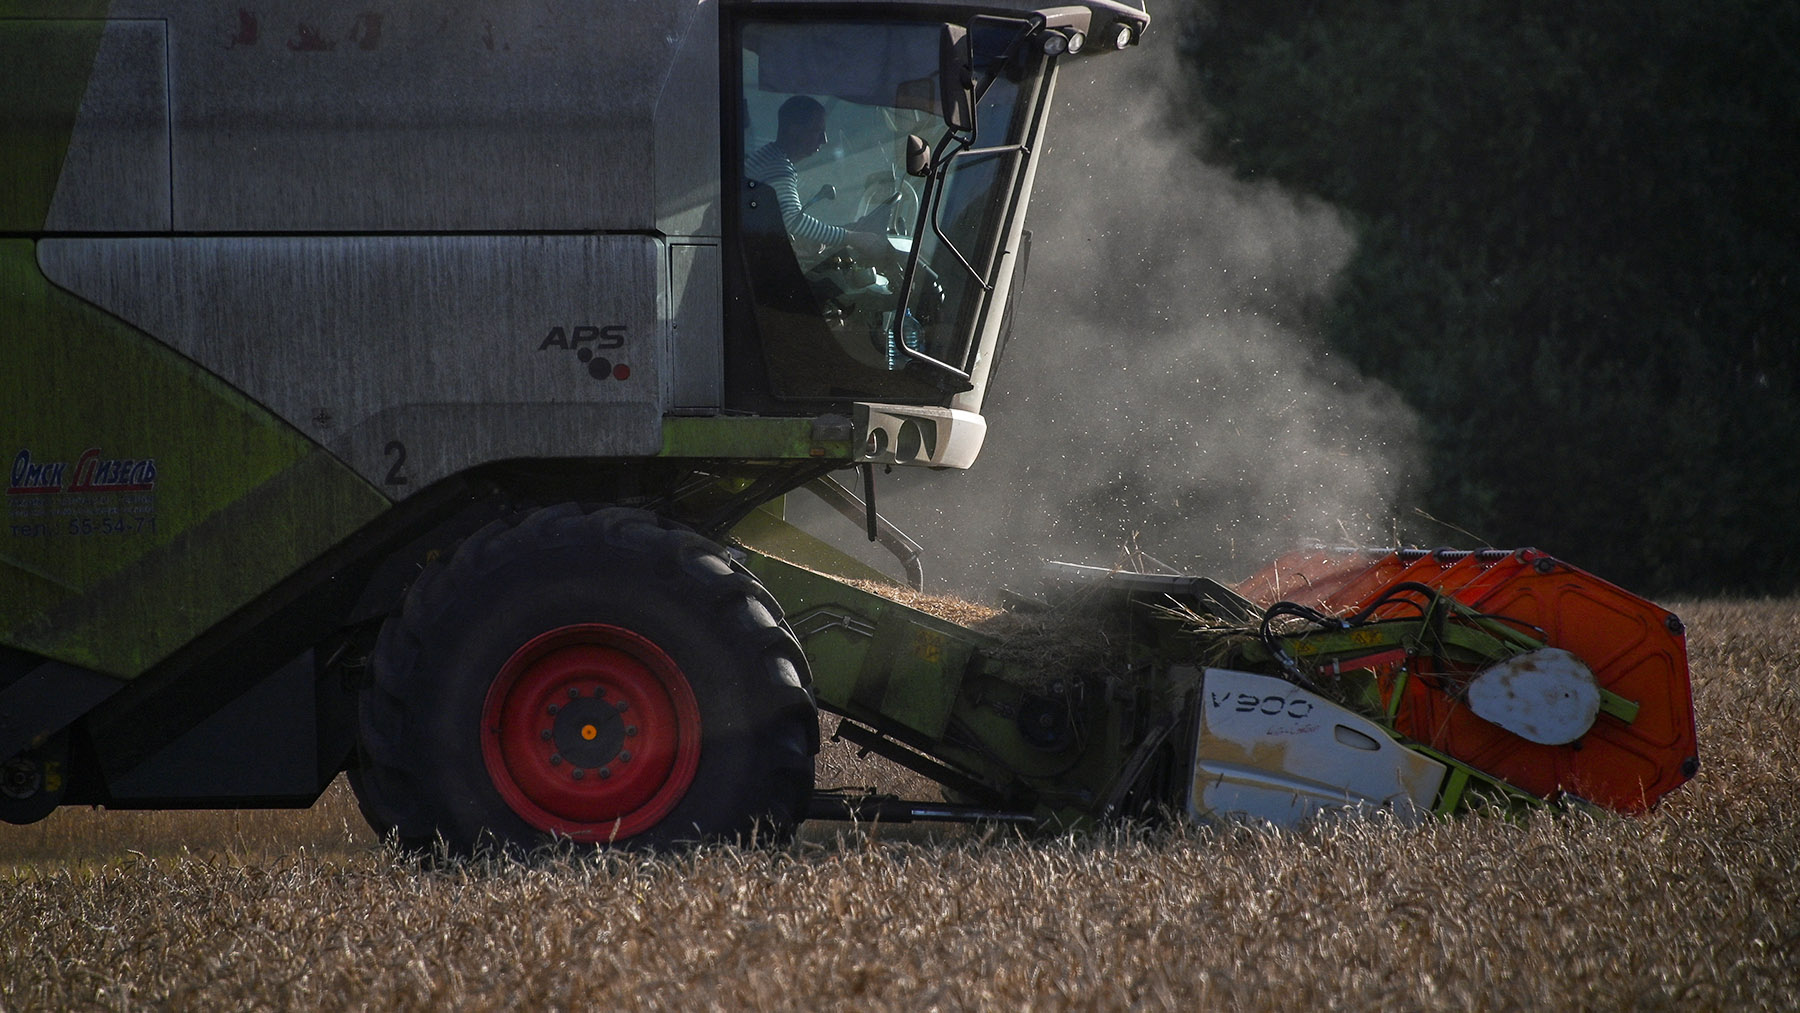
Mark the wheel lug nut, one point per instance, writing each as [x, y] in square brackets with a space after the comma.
[579, 773]
[574, 694]
[556, 759]
[545, 735]
[554, 709]
[631, 731]
[624, 756]
[621, 706]
[605, 773]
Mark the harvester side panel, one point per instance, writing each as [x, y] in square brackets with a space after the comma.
[306, 116]
[146, 500]
[115, 174]
[409, 357]
[137, 480]
[47, 64]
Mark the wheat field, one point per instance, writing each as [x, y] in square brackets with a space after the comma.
[1695, 906]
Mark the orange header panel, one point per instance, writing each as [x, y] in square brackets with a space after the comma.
[1634, 648]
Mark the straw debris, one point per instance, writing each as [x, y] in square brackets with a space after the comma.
[1080, 635]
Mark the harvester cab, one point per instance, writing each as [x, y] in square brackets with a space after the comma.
[932, 139]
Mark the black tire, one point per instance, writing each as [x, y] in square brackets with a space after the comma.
[561, 631]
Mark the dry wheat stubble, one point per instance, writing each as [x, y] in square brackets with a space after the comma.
[1695, 906]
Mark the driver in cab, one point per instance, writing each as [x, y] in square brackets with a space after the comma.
[800, 133]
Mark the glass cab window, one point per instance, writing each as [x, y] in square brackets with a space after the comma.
[868, 230]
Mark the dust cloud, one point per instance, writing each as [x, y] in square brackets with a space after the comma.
[1162, 387]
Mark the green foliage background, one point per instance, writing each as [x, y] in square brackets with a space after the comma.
[1578, 255]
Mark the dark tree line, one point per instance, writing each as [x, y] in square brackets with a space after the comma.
[1579, 256]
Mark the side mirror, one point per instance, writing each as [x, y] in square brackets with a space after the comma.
[956, 78]
[918, 156]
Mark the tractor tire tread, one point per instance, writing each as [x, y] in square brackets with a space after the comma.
[395, 782]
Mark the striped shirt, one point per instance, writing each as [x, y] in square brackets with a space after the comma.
[774, 169]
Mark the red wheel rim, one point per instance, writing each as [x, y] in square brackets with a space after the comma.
[591, 732]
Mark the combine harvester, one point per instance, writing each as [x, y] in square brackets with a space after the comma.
[414, 393]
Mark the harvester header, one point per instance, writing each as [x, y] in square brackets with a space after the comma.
[1414, 682]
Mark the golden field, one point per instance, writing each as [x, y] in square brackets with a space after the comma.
[1696, 906]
